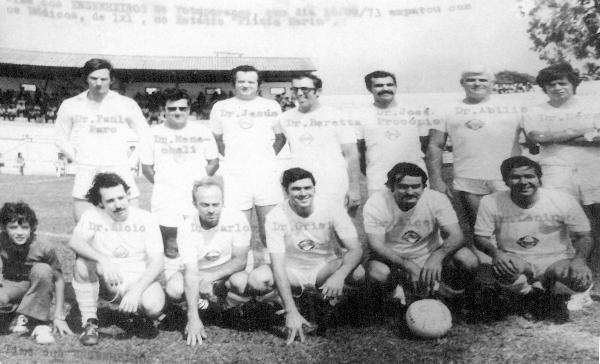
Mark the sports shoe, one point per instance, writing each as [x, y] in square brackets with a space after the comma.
[19, 325]
[579, 301]
[43, 334]
[89, 336]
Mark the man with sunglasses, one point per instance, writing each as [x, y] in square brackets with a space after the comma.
[178, 153]
[322, 141]
[484, 132]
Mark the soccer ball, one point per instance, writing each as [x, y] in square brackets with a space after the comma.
[428, 318]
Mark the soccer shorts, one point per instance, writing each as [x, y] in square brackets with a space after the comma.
[242, 192]
[128, 276]
[478, 186]
[85, 176]
[307, 278]
[582, 182]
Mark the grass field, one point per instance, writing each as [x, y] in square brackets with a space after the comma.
[513, 340]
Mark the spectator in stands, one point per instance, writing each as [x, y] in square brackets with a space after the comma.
[11, 112]
[3, 111]
[51, 114]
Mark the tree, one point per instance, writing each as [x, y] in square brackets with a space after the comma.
[567, 30]
[514, 77]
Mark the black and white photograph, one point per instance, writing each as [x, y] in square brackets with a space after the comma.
[299, 181]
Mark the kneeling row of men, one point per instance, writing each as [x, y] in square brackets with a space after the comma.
[534, 237]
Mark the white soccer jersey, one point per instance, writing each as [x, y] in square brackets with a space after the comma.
[179, 157]
[306, 241]
[483, 135]
[99, 132]
[128, 243]
[391, 135]
[315, 140]
[576, 115]
[541, 230]
[248, 128]
[214, 246]
[414, 233]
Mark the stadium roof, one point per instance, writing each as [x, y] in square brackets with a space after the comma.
[24, 63]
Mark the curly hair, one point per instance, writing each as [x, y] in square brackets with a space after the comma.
[19, 212]
[104, 180]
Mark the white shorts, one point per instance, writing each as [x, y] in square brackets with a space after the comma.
[478, 186]
[582, 182]
[128, 276]
[85, 176]
[540, 264]
[242, 192]
[306, 278]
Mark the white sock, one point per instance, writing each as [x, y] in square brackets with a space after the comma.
[86, 294]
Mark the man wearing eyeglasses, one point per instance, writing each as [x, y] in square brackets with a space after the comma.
[322, 141]
[389, 132]
[249, 137]
[92, 131]
[177, 154]
[484, 132]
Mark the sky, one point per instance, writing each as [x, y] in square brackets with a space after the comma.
[426, 43]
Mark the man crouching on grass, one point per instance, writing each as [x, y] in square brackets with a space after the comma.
[299, 239]
[119, 254]
[542, 237]
[214, 245]
[29, 271]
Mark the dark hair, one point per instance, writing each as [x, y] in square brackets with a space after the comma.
[401, 170]
[556, 72]
[104, 180]
[176, 94]
[317, 82]
[378, 74]
[517, 162]
[95, 64]
[244, 68]
[295, 174]
[19, 212]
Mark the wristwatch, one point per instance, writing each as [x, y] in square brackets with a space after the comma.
[61, 317]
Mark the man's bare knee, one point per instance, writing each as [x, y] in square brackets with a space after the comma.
[175, 286]
[378, 271]
[153, 300]
[237, 282]
[261, 279]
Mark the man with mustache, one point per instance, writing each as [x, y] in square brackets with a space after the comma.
[542, 236]
[322, 140]
[484, 132]
[214, 245]
[417, 245]
[119, 255]
[92, 131]
[566, 127]
[389, 132]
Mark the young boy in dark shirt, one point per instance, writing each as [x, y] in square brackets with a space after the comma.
[29, 272]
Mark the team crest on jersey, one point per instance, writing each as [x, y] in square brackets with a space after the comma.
[212, 255]
[528, 241]
[306, 244]
[474, 124]
[120, 252]
[307, 138]
[392, 134]
[411, 236]
[245, 123]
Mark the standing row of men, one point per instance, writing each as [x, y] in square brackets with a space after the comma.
[403, 220]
